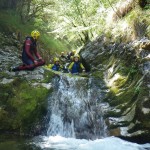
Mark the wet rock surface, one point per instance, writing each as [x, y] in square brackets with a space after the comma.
[125, 68]
[10, 57]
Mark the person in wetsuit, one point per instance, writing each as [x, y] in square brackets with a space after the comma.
[30, 57]
[76, 66]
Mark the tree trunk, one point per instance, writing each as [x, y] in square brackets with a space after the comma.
[122, 9]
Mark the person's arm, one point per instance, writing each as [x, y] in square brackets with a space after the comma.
[37, 54]
[82, 67]
[27, 49]
[70, 67]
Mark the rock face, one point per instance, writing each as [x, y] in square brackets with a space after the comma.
[125, 69]
[22, 94]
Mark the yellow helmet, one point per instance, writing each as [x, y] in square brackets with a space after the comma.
[56, 59]
[35, 34]
[77, 55]
[73, 51]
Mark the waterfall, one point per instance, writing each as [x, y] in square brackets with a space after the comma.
[75, 112]
[75, 108]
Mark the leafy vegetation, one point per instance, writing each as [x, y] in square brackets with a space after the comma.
[74, 23]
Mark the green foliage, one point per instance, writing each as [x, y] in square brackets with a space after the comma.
[75, 20]
[9, 20]
[108, 3]
[98, 74]
[147, 7]
[4, 119]
[137, 89]
[53, 44]
[133, 69]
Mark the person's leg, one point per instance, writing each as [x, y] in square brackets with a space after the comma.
[28, 65]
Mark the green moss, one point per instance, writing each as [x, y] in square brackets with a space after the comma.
[25, 105]
[134, 16]
[3, 74]
[126, 86]
[111, 61]
[4, 119]
[6, 93]
[48, 76]
[98, 74]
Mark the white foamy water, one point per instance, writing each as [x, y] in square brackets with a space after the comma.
[110, 143]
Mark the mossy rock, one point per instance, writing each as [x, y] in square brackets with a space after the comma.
[98, 74]
[5, 121]
[25, 105]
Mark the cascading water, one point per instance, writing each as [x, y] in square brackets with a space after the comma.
[75, 112]
[74, 109]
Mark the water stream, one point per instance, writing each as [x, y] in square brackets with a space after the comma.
[75, 120]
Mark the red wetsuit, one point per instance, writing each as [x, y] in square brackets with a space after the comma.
[30, 55]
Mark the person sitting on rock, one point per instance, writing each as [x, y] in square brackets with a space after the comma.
[76, 66]
[56, 66]
[30, 57]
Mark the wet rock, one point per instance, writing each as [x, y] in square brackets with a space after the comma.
[46, 85]
[125, 69]
[6, 81]
[23, 93]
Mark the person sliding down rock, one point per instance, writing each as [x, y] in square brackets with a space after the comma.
[76, 66]
[30, 57]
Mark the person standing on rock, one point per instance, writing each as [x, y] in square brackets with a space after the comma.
[30, 57]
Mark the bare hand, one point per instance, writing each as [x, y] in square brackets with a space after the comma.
[40, 58]
[35, 62]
